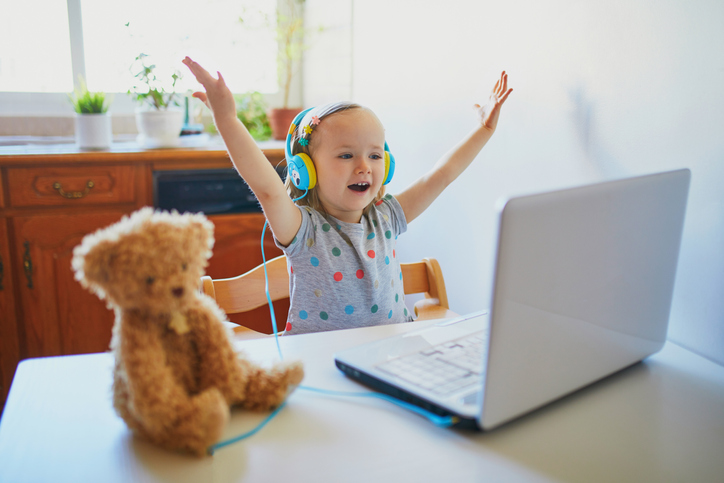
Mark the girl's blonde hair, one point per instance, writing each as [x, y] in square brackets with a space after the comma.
[312, 199]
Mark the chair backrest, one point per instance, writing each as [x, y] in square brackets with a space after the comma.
[247, 291]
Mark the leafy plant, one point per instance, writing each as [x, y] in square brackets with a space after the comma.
[86, 102]
[251, 110]
[152, 93]
[290, 35]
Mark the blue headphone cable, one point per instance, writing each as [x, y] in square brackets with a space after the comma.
[440, 421]
[266, 283]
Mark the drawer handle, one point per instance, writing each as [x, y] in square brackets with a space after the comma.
[2, 274]
[28, 264]
[74, 194]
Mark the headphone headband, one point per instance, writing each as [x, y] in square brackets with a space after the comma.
[297, 119]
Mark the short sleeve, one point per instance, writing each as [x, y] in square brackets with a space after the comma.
[304, 234]
[389, 208]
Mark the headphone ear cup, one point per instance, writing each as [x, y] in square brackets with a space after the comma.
[389, 167]
[310, 170]
[301, 169]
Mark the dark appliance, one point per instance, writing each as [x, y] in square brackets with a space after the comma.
[211, 191]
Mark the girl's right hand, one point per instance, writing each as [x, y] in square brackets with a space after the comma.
[218, 96]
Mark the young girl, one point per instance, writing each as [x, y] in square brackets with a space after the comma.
[339, 235]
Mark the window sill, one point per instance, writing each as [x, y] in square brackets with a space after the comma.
[57, 126]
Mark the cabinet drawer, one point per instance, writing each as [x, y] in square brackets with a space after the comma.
[71, 186]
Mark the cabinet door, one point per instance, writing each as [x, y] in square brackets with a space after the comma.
[60, 317]
[9, 344]
[237, 246]
[237, 250]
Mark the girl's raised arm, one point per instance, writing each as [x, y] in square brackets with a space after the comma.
[418, 196]
[284, 217]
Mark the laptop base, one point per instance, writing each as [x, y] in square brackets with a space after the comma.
[463, 422]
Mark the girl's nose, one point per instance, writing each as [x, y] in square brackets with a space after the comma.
[363, 166]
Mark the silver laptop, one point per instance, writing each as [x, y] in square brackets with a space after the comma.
[582, 288]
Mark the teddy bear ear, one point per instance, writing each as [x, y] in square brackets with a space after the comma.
[202, 232]
[93, 263]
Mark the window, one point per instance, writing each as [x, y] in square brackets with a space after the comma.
[34, 49]
[46, 52]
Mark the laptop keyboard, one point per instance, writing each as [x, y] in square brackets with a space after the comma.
[442, 369]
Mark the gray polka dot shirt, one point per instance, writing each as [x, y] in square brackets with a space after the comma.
[344, 275]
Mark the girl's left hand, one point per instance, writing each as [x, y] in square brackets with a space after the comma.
[490, 112]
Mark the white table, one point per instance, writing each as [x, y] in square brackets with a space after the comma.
[662, 420]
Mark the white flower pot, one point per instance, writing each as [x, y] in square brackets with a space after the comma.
[93, 131]
[159, 129]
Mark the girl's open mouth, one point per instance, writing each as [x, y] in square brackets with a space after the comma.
[361, 187]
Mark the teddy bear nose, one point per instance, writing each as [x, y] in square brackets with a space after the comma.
[178, 291]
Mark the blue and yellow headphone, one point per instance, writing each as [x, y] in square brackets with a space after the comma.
[301, 168]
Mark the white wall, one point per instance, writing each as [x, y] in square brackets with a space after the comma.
[602, 89]
[327, 72]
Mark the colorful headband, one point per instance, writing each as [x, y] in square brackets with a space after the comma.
[297, 121]
[306, 131]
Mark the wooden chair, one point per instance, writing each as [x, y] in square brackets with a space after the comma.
[246, 291]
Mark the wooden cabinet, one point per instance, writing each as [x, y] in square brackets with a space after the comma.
[48, 203]
[59, 316]
[9, 342]
[47, 210]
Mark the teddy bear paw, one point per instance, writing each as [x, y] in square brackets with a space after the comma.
[294, 373]
[213, 416]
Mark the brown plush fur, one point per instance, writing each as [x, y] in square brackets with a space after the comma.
[176, 372]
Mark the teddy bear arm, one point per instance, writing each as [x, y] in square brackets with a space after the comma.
[193, 427]
[153, 391]
[164, 413]
[267, 389]
[219, 362]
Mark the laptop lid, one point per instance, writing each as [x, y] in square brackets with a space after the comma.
[584, 279]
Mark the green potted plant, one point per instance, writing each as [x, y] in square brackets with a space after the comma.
[252, 111]
[92, 120]
[158, 117]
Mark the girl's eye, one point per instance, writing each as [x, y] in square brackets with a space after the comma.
[375, 156]
[345, 156]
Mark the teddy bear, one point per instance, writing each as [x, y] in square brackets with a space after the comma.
[176, 373]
